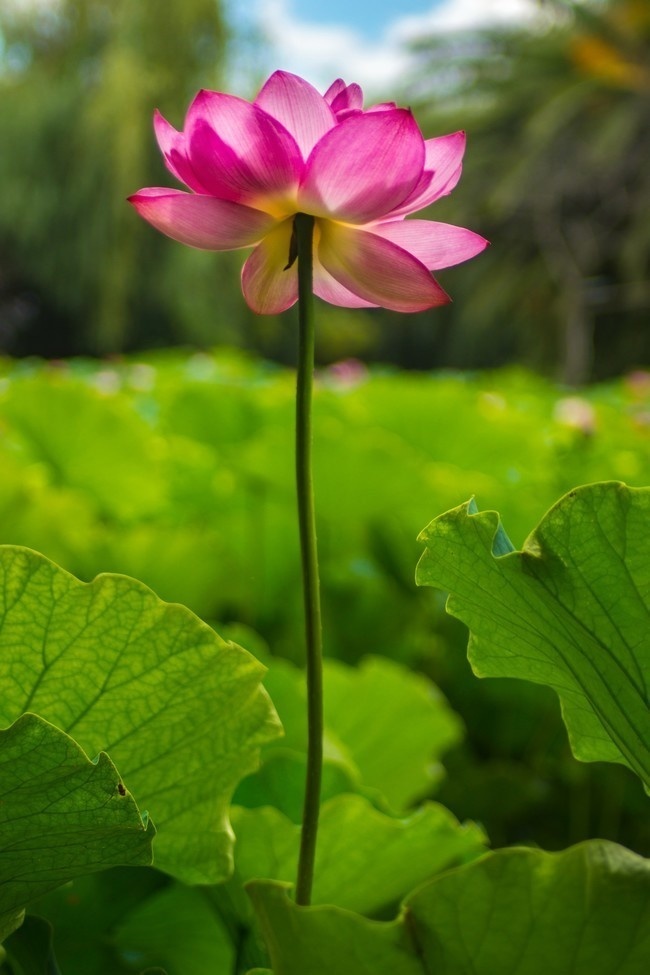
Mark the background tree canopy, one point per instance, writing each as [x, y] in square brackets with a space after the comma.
[558, 127]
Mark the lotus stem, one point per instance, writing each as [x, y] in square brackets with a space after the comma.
[304, 232]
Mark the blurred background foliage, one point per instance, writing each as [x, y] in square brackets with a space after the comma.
[556, 176]
[177, 469]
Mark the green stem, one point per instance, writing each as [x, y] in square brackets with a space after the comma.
[304, 232]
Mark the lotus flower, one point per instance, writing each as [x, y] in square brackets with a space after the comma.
[251, 167]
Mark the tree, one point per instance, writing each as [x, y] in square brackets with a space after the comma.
[559, 132]
[79, 271]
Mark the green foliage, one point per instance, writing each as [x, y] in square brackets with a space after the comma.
[197, 474]
[124, 921]
[29, 949]
[320, 940]
[88, 441]
[396, 725]
[180, 710]
[177, 929]
[195, 497]
[78, 87]
[61, 816]
[582, 912]
[384, 727]
[365, 860]
[188, 482]
[557, 126]
[570, 610]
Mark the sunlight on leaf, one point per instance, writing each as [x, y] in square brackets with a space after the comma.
[61, 815]
[384, 725]
[585, 911]
[571, 610]
[326, 940]
[364, 859]
[179, 710]
[280, 782]
[396, 724]
[88, 440]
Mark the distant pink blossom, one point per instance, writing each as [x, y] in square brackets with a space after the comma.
[347, 373]
[251, 167]
[577, 413]
[638, 383]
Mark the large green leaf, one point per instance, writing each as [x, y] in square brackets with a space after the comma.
[127, 920]
[365, 860]
[29, 949]
[177, 929]
[585, 911]
[87, 913]
[395, 723]
[61, 816]
[89, 439]
[327, 940]
[179, 710]
[571, 610]
[386, 726]
[280, 782]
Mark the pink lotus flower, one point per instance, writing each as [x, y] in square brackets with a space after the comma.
[251, 167]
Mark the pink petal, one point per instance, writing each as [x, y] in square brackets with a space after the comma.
[444, 156]
[346, 113]
[172, 146]
[201, 221]
[364, 167]
[377, 270]
[298, 106]
[334, 89]
[329, 289]
[442, 169]
[269, 286]
[436, 245]
[345, 97]
[239, 152]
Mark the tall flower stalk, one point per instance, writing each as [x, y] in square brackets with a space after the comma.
[321, 189]
[304, 235]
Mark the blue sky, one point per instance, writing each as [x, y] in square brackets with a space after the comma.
[369, 17]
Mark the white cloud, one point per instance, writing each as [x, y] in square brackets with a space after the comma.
[32, 7]
[321, 52]
[463, 14]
